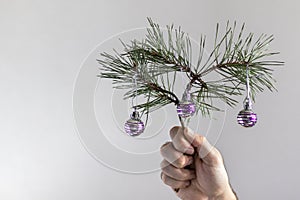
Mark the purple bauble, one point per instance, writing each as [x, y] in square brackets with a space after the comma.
[247, 118]
[134, 127]
[186, 109]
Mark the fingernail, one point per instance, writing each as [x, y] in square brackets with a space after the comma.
[190, 150]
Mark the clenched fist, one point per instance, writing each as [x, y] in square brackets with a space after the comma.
[193, 168]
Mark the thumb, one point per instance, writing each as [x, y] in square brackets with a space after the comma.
[206, 152]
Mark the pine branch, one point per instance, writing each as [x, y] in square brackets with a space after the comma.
[159, 57]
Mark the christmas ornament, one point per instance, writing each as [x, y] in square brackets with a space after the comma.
[247, 117]
[186, 107]
[134, 126]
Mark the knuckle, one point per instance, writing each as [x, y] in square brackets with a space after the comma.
[164, 145]
[163, 148]
[199, 140]
[216, 152]
[164, 164]
[180, 162]
[163, 178]
[173, 131]
[202, 139]
[173, 134]
[214, 156]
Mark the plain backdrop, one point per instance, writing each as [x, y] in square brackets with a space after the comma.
[42, 46]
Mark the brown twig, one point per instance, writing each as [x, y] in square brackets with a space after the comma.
[166, 93]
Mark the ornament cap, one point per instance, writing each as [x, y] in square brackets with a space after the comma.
[135, 115]
[247, 104]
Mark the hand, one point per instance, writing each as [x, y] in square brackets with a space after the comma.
[193, 168]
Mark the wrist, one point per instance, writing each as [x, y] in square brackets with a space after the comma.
[228, 194]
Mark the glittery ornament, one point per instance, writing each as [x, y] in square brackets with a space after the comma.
[134, 126]
[247, 118]
[186, 107]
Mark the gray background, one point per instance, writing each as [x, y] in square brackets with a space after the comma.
[42, 45]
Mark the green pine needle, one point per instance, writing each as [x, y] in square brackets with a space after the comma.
[162, 55]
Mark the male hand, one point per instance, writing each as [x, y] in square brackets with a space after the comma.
[193, 168]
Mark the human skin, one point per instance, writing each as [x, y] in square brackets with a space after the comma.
[193, 168]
